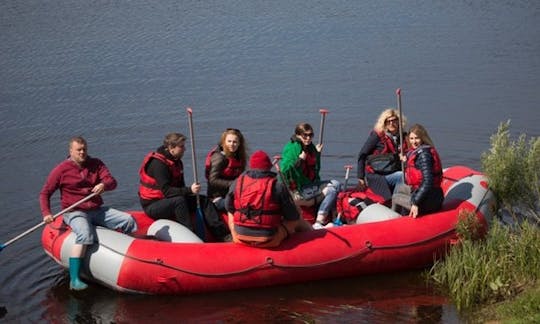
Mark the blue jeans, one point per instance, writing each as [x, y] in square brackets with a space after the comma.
[329, 201]
[394, 179]
[83, 223]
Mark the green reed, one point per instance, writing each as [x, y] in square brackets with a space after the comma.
[496, 268]
[504, 264]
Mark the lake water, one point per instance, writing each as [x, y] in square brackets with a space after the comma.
[122, 73]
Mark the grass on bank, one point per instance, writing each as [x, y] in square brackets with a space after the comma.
[496, 277]
[501, 266]
[524, 308]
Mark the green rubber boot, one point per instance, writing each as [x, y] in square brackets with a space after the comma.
[75, 283]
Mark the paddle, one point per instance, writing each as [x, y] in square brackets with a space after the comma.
[348, 168]
[323, 117]
[199, 215]
[30, 230]
[398, 94]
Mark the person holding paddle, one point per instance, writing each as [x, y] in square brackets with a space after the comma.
[224, 163]
[77, 177]
[164, 194]
[422, 193]
[300, 164]
[379, 166]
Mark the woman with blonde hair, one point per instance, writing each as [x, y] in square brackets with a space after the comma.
[379, 166]
[224, 163]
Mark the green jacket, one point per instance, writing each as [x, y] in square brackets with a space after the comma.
[291, 164]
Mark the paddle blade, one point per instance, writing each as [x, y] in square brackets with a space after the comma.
[199, 223]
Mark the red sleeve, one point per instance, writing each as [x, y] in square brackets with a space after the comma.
[51, 184]
[105, 176]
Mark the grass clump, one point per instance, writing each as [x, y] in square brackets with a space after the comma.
[524, 308]
[490, 270]
[496, 275]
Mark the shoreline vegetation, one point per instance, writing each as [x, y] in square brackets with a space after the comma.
[493, 277]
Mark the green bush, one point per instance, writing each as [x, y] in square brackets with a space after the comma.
[513, 169]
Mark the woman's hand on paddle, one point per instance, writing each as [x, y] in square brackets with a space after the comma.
[196, 187]
[48, 219]
[319, 147]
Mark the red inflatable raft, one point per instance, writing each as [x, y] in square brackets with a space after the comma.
[381, 244]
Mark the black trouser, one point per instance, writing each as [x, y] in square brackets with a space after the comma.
[432, 202]
[181, 208]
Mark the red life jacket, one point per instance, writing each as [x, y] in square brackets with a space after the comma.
[233, 169]
[413, 176]
[254, 205]
[388, 147]
[148, 188]
[308, 165]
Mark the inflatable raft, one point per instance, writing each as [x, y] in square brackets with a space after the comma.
[384, 242]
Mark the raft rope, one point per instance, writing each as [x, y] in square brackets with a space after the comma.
[269, 262]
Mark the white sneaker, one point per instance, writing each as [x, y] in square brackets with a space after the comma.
[318, 225]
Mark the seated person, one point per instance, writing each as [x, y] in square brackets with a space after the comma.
[76, 177]
[224, 163]
[379, 166]
[300, 165]
[164, 194]
[422, 193]
[261, 210]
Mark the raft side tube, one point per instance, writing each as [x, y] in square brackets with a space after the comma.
[376, 213]
[170, 231]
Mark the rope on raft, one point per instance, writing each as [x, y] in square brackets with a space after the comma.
[271, 263]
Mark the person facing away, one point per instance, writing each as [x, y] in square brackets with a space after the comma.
[224, 163]
[77, 177]
[379, 166]
[422, 193]
[300, 165]
[164, 194]
[261, 211]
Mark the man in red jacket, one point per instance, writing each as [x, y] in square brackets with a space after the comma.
[77, 177]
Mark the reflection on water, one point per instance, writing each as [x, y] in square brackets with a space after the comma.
[401, 298]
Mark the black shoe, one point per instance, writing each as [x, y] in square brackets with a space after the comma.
[227, 238]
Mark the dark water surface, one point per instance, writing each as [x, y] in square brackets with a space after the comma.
[121, 73]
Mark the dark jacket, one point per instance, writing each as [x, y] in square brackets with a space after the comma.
[372, 144]
[218, 184]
